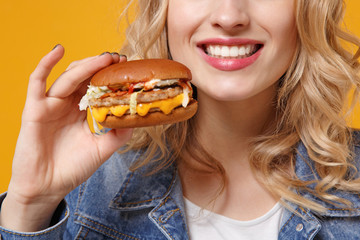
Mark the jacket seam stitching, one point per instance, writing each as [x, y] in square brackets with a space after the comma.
[35, 234]
[30, 235]
[80, 195]
[287, 222]
[310, 234]
[168, 217]
[127, 183]
[110, 229]
[128, 180]
[87, 233]
[148, 200]
[156, 219]
[181, 213]
[82, 229]
[103, 232]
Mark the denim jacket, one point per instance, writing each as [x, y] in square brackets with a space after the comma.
[116, 203]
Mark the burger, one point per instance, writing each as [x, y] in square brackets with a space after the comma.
[140, 93]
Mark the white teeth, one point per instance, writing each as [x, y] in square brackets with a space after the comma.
[217, 50]
[247, 49]
[234, 52]
[225, 51]
[242, 51]
[230, 51]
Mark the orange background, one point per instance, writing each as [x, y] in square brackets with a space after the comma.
[30, 29]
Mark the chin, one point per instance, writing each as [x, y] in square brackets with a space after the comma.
[220, 96]
[227, 92]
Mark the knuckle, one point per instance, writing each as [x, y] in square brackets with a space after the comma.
[73, 64]
[32, 75]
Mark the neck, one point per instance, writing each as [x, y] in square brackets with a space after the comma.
[225, 128]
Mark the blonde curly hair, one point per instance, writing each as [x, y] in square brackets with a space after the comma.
[311, 106]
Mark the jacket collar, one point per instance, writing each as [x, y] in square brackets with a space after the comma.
[141, 190]
[161, 193]
[305, 170]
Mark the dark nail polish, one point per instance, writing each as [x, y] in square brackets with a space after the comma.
[122, 55]
[55, 47]
[114, 53]
[104, 53]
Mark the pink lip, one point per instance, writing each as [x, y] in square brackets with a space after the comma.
[229, 64]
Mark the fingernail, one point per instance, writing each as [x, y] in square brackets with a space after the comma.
[122, 55]
[55, 47]
[104, 53]
[114, 53]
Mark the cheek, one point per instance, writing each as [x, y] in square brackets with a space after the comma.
[173, 26]
[286, 41]
[184, 18]
[285, 32]
[278, 19]
[281, 28]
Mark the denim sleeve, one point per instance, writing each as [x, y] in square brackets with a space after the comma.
[55, 231]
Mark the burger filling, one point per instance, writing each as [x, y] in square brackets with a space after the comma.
[139, 98]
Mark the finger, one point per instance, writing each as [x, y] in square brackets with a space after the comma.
[116, 57]
[112, 141]
[70, 80]
[79, 62]
[123, 58]
[37, 80]
[84, 85]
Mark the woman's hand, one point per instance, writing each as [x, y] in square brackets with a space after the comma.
[55, 151]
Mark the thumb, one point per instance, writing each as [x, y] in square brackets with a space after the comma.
[112, 141]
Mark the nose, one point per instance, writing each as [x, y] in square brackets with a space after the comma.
[230, 15]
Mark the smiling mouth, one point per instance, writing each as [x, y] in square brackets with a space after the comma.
[231, 52]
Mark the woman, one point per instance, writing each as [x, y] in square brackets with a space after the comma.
[267, 156]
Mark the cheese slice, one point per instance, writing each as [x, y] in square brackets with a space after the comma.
[100, 113]
[166, 106]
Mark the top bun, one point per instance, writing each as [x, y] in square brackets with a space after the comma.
[140, 71]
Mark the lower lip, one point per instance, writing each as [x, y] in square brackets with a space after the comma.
[225, 64]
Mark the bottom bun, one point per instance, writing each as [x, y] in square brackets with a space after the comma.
[151, 119]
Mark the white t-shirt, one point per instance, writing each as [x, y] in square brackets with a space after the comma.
[204, 224]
